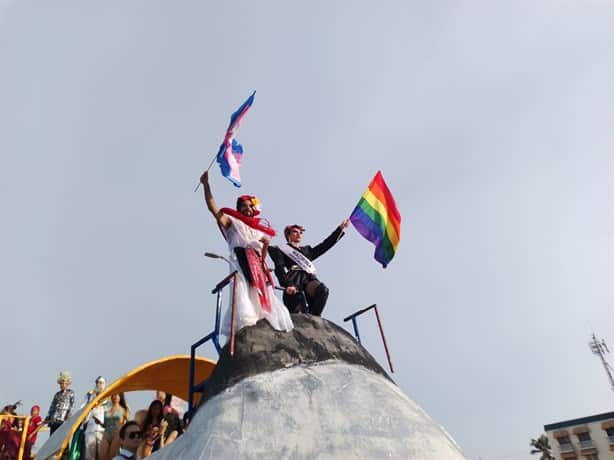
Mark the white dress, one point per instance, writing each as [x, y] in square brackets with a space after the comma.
[248, 309]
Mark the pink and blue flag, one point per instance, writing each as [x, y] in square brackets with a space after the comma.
[230, 155]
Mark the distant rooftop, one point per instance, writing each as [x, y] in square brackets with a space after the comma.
[579, 421]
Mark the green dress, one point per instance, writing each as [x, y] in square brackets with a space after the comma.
[112, 422]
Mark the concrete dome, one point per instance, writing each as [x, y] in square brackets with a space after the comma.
[312, 393]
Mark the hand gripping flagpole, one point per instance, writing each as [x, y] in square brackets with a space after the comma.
[343, 229]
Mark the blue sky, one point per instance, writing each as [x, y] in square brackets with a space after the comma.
[491, 122]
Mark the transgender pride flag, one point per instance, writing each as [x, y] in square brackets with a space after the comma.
[231, 152]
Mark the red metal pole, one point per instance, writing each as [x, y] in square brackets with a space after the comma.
[233, 313]
[381, 331]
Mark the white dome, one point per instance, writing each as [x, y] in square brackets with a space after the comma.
[330, 410]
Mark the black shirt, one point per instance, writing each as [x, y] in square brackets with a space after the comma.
[288, 274]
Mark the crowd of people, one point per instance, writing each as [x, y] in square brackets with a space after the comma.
[109, 432]
[12, 431]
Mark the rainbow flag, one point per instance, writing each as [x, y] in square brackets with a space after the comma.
[377, 218]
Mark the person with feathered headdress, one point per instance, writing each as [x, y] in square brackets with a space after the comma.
[62, 403]
[248, 239]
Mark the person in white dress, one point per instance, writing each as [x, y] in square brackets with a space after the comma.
[248, 240]
[94, 423]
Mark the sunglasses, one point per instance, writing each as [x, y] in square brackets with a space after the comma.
[134, 435]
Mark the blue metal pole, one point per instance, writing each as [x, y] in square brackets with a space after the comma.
[191, 392]
[355, 324]
[214, 336]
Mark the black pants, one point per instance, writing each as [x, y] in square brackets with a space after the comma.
[54, 426]
[315, 304]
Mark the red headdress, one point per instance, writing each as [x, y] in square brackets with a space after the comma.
[253, 222]
[255, 202]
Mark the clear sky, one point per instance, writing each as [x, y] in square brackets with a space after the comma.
[491, 122]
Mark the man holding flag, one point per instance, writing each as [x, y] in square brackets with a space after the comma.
[248, 239]
[296, 272]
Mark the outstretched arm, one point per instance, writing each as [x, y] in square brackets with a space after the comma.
[219, 216]
[330, 241]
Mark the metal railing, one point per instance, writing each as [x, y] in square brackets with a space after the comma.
[353, 317]
[301, 295]
[214, 335]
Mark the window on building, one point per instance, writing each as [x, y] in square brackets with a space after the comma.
[584, 436]
[610, 433]
[565, 444]
[584, 439]
[591, 457]
[563, 440]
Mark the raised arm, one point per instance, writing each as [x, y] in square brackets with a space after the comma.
[329, 242]
[219, 216]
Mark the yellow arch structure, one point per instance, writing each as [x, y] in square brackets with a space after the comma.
[170, 374]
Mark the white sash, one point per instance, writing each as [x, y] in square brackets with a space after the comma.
[298, 257]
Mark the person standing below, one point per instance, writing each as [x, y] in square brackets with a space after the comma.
[116, 414]
[94, 424]
[9, 440]
[62, 403]
[296, 272]
[248, 241]
[36, 423]
[130, 436]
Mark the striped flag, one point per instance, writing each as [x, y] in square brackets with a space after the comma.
[377, 218]
[230, 155]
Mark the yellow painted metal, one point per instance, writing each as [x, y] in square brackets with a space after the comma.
[170, 375]
[24, 435]
[24, 432]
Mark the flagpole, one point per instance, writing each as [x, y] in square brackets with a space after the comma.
[206, 170]
[350, 220]
[212, 161]
[343, 229]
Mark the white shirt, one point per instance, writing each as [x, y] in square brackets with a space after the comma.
[92, 426]
[126, 454]
[98, 412]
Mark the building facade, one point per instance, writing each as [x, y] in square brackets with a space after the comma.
[586, 438]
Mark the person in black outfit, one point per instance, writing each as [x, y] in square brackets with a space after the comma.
[297, 274]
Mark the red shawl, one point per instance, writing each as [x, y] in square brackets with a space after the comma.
[260, 277]
[253, 222]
